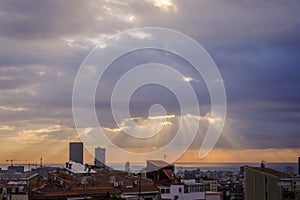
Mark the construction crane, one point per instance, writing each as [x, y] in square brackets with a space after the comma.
[11, 162]
[165, 156]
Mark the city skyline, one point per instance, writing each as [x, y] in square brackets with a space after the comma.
[255, 46]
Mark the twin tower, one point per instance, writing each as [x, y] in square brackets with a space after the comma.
[76, 154]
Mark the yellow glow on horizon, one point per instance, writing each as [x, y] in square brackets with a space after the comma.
[59, 154]
[244, 155]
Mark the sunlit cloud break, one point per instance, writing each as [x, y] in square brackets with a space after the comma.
[8, 108]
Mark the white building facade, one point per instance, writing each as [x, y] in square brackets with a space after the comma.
[187, 191]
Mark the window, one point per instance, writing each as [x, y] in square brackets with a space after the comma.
[162, 191]
[167, 190]
[180, 190]
[266, 181]
[201, 188]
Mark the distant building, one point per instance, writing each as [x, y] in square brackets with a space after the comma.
[76, 152]
[44, 171]
[16, 168]
[189, 174]
[290, 170]
[99, 157]
[212, 183]
[127, 167]
[263, 183]
[299, 166]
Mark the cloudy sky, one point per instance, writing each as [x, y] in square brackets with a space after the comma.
[255, 45]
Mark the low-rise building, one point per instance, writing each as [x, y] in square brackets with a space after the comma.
[75, 180]
[14, 187]
[183, 191]
[212, 184]
[209, 195]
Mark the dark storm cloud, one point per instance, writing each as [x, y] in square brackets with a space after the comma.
[47, 19]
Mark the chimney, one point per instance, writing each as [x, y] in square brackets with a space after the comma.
[262, 165]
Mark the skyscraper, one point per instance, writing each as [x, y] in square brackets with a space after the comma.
[100, 157]
[76, 152]
[127, 167]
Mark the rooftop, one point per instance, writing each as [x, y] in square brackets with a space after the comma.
[158, 163]
[96, 184]
[212, 193]
[272, 172]
[77, 168]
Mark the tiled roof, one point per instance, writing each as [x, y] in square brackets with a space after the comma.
[52, 191]
[99, 183]
[169, 173]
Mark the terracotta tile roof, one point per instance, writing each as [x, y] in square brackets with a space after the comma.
[169, 173]
[98, 184]
[52, 191]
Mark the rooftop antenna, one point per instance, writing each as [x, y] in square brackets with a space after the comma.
[11, 162]
[262, 165]
[165, 156]
[41, 163]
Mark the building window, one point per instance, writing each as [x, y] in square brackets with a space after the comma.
[266, 181]
[162, 191]
[266, 195]
[167, 190]
[201, 188]
[180, 190]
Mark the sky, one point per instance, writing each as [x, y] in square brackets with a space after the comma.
[255, 45]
